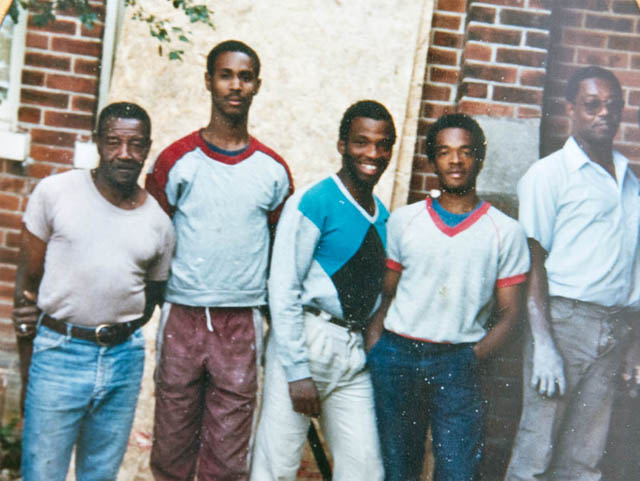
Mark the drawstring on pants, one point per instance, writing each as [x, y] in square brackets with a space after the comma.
[208, 315]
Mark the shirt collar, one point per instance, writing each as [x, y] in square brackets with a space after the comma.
[575, 158]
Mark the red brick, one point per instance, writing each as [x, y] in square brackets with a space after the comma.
[9, 202]
[80, 47]
[537, 39]
[452, 5]
[71, 83]
[604, 58]
[42, 97]
[626, 7]
[525, 18]
[529, 113]
[635, 62]
[437, 74]
[53, 137]
[37, 40]
[449, 22]
[432, 182]
[476, 51]
[597, 5]
[607, 22]
[494, 35]
[580, 37]
[29, 115]
[630, 151]
[629, 77]
[434, 111]
[86, 67]
[630, 116]
[474, 89]
[61, 26]
[38, 170]
[11, 220]
[83, 104]
[628, 43]
[45, 153]
[634, 97]
[10, 183]
[12, 239]
[32, 77]
[8, 254]
[491, 72]
[442, 56]
[532, 78]
[471, 107]
[631, 134]
[8, 273]
[417, 181]
[47, 61]
[541, 4]
[517, 95]
[436, 92]
[447, 39]
[95, 32]
[482, 14]
[529, 58]
[506, 3]
[70, 121]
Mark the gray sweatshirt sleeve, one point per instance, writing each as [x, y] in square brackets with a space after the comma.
[294, 246]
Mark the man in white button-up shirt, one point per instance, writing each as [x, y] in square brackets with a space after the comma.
[580, 207]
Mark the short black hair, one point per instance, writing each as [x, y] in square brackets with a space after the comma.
[232, 46]
[369, 109]
[593, 71]
[123, 110]
[459, 121]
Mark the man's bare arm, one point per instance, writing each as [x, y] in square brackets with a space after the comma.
[509, 307]
[548, 366]
[25, 313]
[374, 330]
[154, 296]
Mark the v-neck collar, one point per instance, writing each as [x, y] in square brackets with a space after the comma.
[347, 194]
[462, 226]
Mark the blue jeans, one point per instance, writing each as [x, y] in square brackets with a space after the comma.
[82, 394]
[417, 384]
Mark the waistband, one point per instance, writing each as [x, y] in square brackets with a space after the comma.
[610, 312]
[104, 335]
[348, 325]
[416, 344]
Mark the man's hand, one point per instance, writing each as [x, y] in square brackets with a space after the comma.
[631, 366]
[374, 330]
[25, 315]
[304, 397]
[548, 370]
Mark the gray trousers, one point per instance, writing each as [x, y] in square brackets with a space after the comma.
[563, 438]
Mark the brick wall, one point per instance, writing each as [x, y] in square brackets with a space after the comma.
[57, 106]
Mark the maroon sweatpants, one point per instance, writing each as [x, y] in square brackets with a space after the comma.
[205, 395]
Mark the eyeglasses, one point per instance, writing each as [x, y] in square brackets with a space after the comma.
[594, 106]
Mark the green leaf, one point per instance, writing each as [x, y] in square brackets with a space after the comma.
[176, 55]
[182, 38]
[14, 13]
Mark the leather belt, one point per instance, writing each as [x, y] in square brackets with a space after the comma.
[104, 334]
[350, 326]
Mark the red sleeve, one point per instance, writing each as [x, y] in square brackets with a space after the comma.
[156, 180]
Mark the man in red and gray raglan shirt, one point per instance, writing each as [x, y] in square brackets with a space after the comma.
[224, 190]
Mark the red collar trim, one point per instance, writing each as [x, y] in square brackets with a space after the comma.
[464, 225]
[226, 159]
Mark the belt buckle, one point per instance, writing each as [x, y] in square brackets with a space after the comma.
[98, 333]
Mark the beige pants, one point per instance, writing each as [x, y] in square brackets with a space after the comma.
[337, 362]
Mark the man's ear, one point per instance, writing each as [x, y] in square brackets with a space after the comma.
[258, 84]
[207, 81]
[570, 109]
[341, 146]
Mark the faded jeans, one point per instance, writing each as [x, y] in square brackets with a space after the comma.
[563, 438]
[83, 394]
